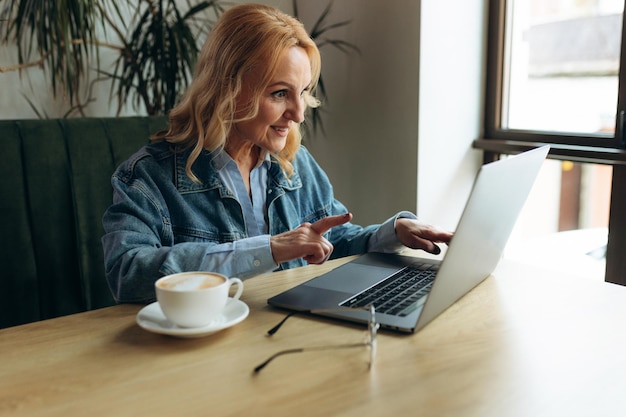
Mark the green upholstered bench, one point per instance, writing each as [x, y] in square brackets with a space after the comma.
[54, 188]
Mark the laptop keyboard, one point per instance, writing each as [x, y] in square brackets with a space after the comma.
[399, 294]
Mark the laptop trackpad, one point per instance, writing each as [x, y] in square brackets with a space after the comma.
[351, 278]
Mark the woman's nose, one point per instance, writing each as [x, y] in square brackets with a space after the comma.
[295, 112]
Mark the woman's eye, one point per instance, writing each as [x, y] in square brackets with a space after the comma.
[279, 94]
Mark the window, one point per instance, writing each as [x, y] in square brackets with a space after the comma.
[554, 76]
[561, 71]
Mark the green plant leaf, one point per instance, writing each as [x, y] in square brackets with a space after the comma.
[60, 33]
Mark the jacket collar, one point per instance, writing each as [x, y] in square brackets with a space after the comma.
[206, 169]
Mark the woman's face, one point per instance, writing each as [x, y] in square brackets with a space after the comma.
[281, 105]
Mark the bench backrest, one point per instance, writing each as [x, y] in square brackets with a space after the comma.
[54, 188]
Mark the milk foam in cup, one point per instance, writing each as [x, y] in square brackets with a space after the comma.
[194, 299]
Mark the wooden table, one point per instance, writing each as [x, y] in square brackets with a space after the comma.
[523, 343]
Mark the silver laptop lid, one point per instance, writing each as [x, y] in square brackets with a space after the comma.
[497, 198]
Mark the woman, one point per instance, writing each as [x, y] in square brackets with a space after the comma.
[229, 188]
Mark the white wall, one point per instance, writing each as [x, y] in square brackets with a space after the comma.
[400, 117]
[451, 105]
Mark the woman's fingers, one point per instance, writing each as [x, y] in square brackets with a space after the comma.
[307, 241]
[323, 225]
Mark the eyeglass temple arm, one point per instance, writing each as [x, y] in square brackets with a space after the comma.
[279, 325]
[274, 329]
[299, 350]
[274, 356]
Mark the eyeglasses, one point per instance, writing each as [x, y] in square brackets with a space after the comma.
[369, 342]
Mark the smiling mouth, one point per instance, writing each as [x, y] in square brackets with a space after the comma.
[282, 130]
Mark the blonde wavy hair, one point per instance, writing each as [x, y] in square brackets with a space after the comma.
[247, 39]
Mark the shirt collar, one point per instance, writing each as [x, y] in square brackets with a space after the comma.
[221, 158]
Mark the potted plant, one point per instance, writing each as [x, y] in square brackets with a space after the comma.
[156, 44]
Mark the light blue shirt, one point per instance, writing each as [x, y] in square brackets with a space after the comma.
[254, 207]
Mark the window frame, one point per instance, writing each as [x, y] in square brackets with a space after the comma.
[605, 149]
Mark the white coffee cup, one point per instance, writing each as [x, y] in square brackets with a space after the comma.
[194, 299]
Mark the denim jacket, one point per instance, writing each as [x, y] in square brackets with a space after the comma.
[161, 222]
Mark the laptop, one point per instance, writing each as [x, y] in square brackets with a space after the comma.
[409, 292]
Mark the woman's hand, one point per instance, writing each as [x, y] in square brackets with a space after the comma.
[417, 235]
[307, 241]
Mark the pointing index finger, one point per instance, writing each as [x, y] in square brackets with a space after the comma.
[323, 225]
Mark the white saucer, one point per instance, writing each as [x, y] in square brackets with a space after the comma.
[151, 318]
